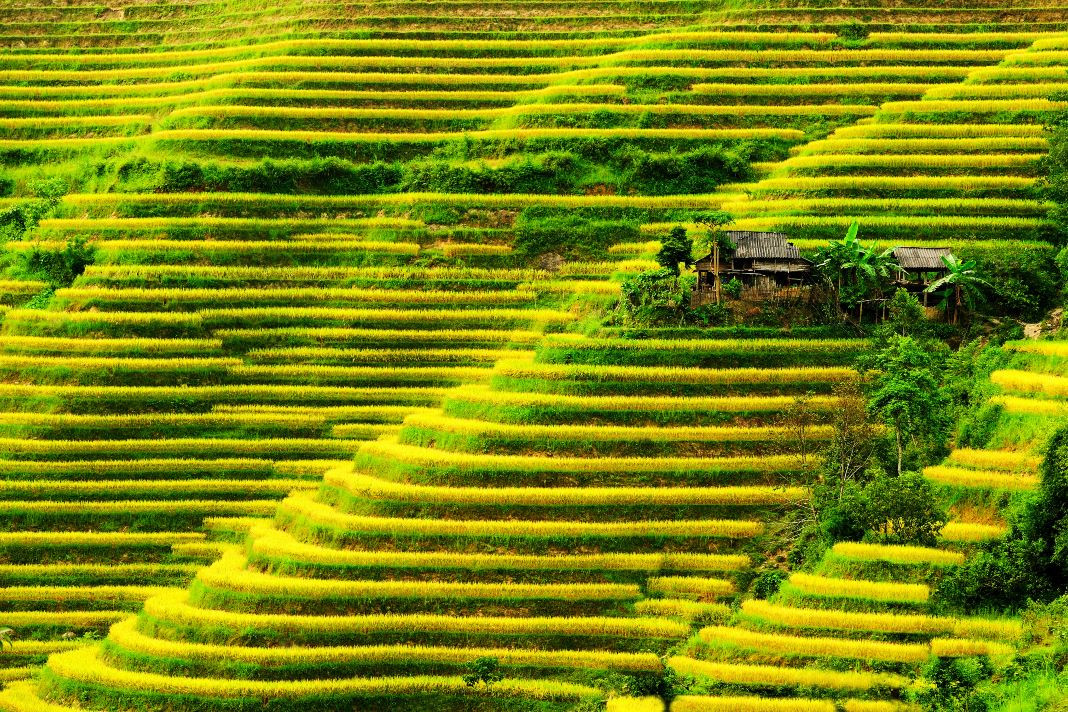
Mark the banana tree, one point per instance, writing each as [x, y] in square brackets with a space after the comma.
[857, 271]
[961, 285]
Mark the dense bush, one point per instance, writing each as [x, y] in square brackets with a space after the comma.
[1055, 185]
[698, 171]
[570, 236]
[1031, 562]
[58, 267]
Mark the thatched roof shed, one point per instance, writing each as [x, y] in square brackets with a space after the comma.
[762, 246]
[921, 259]
[758, 252]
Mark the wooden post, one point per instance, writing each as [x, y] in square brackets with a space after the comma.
[715, 259]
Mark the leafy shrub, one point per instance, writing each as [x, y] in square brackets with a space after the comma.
[903, 509]
[1031, 562]
[698, 171]
[676, 248]
[767, 583]
[59, 268]
[571, 236]
[485, 670]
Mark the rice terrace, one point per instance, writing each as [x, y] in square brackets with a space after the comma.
[533, 356]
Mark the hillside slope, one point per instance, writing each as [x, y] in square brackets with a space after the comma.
[319, 232]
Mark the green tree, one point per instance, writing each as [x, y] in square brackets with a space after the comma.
[675, 249]
[904, 509]
[906, 394]
[1031, 561]
[485, 670]
[906, 315]
[961, 286]
[855, 271]
[654, 298]
[59, 267]
[1046, 520]
[1055, 184]
[714, 224]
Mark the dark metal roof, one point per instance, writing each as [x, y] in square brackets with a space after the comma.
[759, 246]
[762, 246]
[921, 258]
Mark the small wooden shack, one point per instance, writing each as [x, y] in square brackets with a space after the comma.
[762, 260]
[921, 267]
[922, 264]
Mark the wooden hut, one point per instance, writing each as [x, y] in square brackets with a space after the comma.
[762, 260]
[921, 267]
[922, 264]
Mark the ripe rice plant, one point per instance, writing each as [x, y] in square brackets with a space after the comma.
[690, 586]
[897, 554]
[126, 635]
[776, 676]
[356, 375]
[930, 145]
[978, 106]
[876, 706]
[169, 448]
[1031, 406]
[914, 160]
[972, 532]
[345, 46]
[112, 201]
[813, 585]
[146, 396]
[986, 479]
[428, 457]
[201, 507]
[962, 648]
[919, 222]
[997, 91]
[436, 421]
[153, 274]
[310, 335]
[47, 344]
[619, 403]
[311, 354]
[373, 488]
[429, 317]
[803, 91]
[81, 539]
[22, 697]
[690, 703]
[815, 646]
[64, 620]
[1030, 382]
[133, 299]
[1004, 460]
[682, 609]
[325, 516]
[281, 545]
[71, 595]
[516, 368]
[483, 114]
[86, 666]
[883, 622]
[228, 574]
[627, 704]
[175, 608]
[860, 185]
[1044, 348]
[24, 490]
[905, 130]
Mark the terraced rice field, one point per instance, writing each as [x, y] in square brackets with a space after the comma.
[285, 448]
